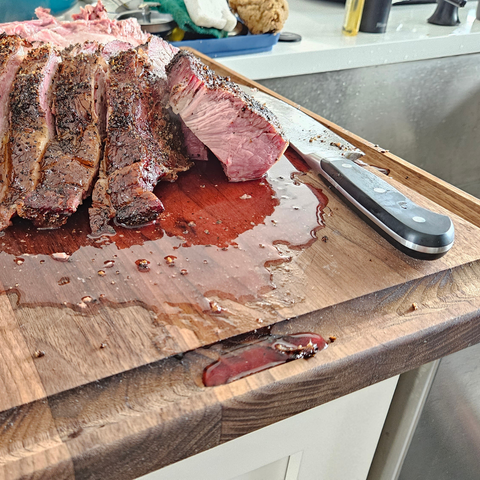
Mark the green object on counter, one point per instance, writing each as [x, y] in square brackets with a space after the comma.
[178, 10]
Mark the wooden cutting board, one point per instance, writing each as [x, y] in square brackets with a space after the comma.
[225, 259]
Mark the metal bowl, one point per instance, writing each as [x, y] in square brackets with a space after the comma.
[150, 20]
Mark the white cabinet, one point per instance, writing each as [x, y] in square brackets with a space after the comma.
[335, 441]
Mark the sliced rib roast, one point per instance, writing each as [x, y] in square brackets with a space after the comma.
[112, 120]
[143, 143]
[31, 127]
[12, 52]
[70, 163]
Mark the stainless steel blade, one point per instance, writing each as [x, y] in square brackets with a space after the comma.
[305, 134]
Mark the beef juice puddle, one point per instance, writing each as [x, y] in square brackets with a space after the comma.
[214, 242]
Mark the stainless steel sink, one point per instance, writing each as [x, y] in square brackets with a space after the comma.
[427, 112]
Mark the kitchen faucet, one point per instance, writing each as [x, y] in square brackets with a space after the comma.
[446, 12]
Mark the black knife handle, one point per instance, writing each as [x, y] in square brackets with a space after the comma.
[415, 230]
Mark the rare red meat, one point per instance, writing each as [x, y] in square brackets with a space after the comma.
[244, 135]
[92, 24]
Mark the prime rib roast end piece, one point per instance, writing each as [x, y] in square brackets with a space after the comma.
[143, 144]
[71, 160]
[244, 135]
[159, 52]
[12, 52]
[31, 127]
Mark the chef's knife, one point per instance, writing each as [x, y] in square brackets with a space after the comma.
[414, 230]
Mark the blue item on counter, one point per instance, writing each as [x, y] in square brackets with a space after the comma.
[230, 46]
[25, 9]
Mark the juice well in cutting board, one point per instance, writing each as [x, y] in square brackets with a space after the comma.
[216, 240]
[261, 355]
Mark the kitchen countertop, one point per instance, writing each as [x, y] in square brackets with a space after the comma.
[323, 48]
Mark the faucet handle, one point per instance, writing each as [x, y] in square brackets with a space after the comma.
[144, 5]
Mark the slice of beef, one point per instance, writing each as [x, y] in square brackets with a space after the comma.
[12, 52]
[31, 126]
[70, 164]
[114, 48]
[244, 135]
[166, 126]
[141, 145]
[159, 52]
[196, 150]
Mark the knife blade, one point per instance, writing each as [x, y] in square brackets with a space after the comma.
[417, 231]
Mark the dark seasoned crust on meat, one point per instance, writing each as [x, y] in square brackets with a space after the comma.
[12, 51]
[31, 126]
[10, 44]
[131, 165]
[70, 164]
[168, 134]
[212, 81]
[143, 145]
[130, 100]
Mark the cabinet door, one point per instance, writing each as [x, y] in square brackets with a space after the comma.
[335, 441]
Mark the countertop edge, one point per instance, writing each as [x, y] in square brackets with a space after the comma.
[261, 67]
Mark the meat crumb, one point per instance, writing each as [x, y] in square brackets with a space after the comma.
[39, 353]
[60, 257]
[215, 307]
[414, 306]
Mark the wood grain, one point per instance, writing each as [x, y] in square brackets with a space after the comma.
[30, 446]
[160, 413]
[118, 392]
[19, 380]
[324, 274]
